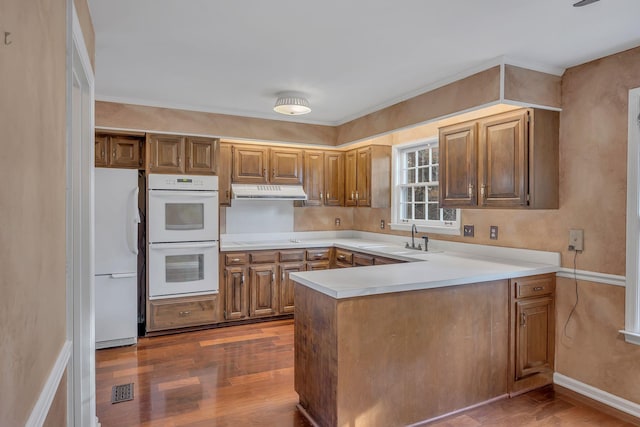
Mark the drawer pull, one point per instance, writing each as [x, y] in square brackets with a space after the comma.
[184, 313]
[341, 256]
[538, 288]
[235, 260]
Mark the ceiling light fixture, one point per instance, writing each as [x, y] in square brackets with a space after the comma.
[291, 104]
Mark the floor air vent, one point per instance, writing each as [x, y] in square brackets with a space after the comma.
[122, 393]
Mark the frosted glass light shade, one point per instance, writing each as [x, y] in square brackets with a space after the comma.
[292, 105]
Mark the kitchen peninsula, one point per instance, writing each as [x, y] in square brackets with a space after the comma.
[395, 345]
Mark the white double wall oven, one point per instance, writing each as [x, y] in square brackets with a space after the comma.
[183, 235]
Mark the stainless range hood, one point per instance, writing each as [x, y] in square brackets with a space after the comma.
[268, 192]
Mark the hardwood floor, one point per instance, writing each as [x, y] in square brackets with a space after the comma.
[243, 376]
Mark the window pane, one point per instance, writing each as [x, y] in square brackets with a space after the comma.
[407, 211]
[419, 192]
[403, 194]
[423, 174]
[448, 214]
[434, 192]
[434, 156]
[411, 159]
[409, 194]
[411, 176]
[423, 157]
[434, 212]
[419, 211]
[434, 173]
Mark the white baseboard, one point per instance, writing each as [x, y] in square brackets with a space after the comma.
[42, 406]
[598, 395]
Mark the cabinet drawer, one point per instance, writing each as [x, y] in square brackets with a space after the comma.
[292, 256]
[361, 259]
[344, 257]
[384, 261]
[235, 259]
[263, 257]
[180, 312]
[318, 265]
[534, 286]
[318, 254]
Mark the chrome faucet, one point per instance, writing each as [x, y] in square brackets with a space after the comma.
[414, 230]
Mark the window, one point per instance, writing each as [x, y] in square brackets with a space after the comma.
[416, 190]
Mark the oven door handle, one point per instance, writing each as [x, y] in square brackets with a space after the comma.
[183, 193]
[183, 245]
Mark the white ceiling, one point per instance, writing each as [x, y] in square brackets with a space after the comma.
[350, 57]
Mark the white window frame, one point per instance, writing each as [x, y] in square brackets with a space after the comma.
[426, 226]
[632, 288]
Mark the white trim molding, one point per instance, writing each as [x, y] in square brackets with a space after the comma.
[42, 406]
[592, 276]
[598, 395]
[632, 297]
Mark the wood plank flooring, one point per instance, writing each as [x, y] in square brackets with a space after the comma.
[243, 376]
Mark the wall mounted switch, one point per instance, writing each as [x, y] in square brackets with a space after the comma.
[576, 240]
[468, 230]
[493, 232]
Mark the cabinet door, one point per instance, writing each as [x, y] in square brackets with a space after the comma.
[224, 175]
[166, 153]
[125, 152]
[363, 177]
[101, 150]
[235, 293]
[202, 155]
[350, 161]
[263, 296]
[502, 163]
[534, 335]
[286, 166]
[458, 170]
[334, 179]
[250, 164]
[314, 177]
[286, 285]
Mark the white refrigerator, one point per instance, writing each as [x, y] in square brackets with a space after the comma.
[116, 251]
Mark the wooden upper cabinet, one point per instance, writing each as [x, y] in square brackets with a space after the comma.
[368, 177]
[286, 166]
[314, 182]
[166, 153]
[508, 160]
[202, 155]
[458, 177]
[502, 163]
[101, 150]
[119, 151]
[334, 178]
[224, 175]
[250, 164]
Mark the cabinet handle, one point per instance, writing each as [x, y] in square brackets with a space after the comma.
[273, 276]
[273, 172]
[283, 276]
[102, 153]
[484, 190]
[352, 196]
[179, 161]
[242, 280]
[341, 257]
[538, 288]
[235, 260]
[114, 153]
[228, 195]
[184, 313]
[470, 190]
[357, 196]
[523, 319]
[320, 196]
[328, 197]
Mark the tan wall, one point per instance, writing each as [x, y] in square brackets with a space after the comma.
[84, 16]
[32, 201]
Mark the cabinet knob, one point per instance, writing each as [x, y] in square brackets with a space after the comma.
[538, 288]
[523, 319]
[470, 190]
[235, 260]
[185, 313]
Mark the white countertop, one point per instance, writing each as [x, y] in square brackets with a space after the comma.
[446, 263]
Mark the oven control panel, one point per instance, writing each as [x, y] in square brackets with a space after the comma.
[182, 182]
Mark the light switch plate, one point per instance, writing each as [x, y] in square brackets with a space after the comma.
[576, 240]
[468, 230]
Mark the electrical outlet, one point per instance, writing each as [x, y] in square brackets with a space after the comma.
[382, 224]
[576, 240]
[493, 232]
[468, 230]
[337, 222]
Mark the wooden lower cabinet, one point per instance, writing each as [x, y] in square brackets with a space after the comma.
[262, 290]
[173, 313]
[532, 332]
[235, 293]
[286, 285]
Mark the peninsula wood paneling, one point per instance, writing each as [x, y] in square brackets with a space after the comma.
[156, 119]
